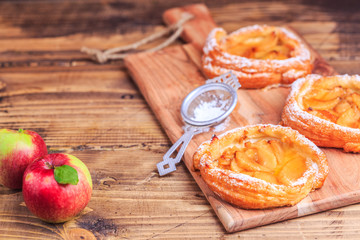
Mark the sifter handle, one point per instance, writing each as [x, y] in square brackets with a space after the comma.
[167, 165]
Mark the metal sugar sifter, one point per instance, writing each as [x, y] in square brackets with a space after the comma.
[202, 108]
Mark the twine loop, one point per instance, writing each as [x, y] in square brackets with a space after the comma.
[120, 52]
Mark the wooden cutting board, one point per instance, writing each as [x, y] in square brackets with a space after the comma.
[167, 76]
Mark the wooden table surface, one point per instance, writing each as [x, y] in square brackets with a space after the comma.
[97, 113]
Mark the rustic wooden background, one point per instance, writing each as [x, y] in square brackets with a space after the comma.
[97, 113]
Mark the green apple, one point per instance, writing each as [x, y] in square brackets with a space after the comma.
[17, 150]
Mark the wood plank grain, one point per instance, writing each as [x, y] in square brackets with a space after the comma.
[122, 141]
[100, 117]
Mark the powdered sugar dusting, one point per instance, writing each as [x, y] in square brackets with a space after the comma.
[221, 126]
[206, 111]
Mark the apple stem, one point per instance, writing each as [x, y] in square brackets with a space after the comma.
[21, 130]
[49, 165]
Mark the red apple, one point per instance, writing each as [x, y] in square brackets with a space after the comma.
[17, 150]
[57, 187]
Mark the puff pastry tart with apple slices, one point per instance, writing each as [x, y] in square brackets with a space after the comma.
[261, 166]
[258, 55]
[326, 110]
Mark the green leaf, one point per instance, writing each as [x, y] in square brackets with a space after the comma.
[66, 174]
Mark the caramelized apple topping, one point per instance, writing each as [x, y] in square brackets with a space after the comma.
[334, 103]
[268, 159]
[268, 45]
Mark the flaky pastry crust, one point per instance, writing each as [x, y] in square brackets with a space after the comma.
[246, 184]
[258, 55]
[326, 110]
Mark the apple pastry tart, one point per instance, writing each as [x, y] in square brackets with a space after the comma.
[261, 166]
[258, 55]
[326, 110]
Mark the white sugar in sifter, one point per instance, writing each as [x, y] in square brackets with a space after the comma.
[202, 108]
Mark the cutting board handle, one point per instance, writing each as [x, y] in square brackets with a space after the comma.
[197, 29]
